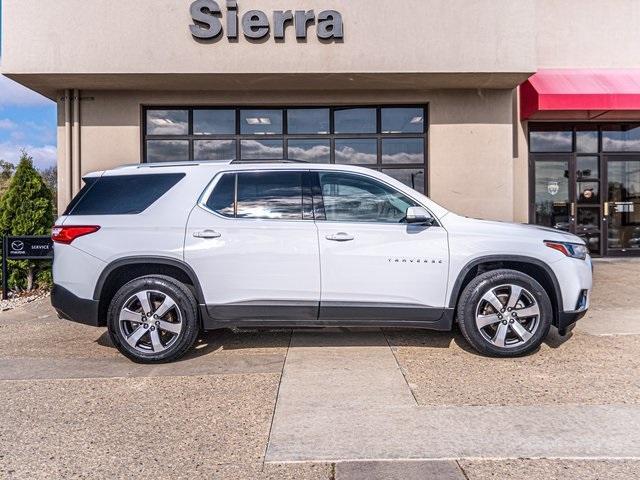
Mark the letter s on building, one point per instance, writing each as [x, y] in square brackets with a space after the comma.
[205, 24]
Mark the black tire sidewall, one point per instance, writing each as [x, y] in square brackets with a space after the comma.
[186, 304]
[472, 295]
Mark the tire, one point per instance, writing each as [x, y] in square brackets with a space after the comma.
[167, 330]
[482, 319]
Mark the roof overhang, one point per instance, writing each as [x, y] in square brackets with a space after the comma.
[581, 95]
[50, 85]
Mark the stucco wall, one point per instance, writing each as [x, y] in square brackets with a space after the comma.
[470, 136]
[152, 36]
[588, 33]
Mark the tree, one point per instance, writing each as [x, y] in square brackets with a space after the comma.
[26, 209]
[6, 172]
[50, 177]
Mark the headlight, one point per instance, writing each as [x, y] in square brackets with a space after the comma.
[573, 250]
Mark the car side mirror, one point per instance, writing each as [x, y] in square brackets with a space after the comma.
[419, 216]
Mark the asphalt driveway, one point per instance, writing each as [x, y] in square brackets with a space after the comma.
[326, 404]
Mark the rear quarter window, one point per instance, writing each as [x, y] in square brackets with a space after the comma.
[122, 194]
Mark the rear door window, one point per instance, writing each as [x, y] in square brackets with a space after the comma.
[261, 195]
[274, 195]
[122, 194]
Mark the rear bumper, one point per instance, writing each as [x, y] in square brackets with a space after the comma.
[76, 309]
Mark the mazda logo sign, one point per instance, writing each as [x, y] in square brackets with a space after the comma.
[17, 245]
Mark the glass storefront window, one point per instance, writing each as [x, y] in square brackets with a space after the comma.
[552, 194]
[588, 192]
[214, 150]
[621, 138]
[261, 122]
[355, 120]
[167, 122]
[413, 177]
[403, 150]
[586, 141]
[403, 120]
[542, 141]
[261, 149]
[167, 150]
[392, 139]
[587, 167]
[308, 121]
[312, 151]
[358, 151]
[214, 122]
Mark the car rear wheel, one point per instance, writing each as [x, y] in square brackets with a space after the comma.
[504, 313]
[153, 319]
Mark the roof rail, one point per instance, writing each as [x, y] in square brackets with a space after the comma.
[278, 160]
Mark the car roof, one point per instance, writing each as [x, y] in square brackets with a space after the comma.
[214, 167]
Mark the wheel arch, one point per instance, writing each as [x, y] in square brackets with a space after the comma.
[535, 268]
[124, 270]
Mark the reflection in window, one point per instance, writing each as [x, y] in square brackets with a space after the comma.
[587, 167]
[272, 195]
[402, 120]
[552, 194]
[354, 198]
[308, 121]
[167, 150]
[214, 122]
[403, 150]
[550, 141]
[214, 150]
[621, 138]
[312, 151]
[261, 122]
[587, 141]
[167, 122]
[261, 150]
[223, 195]
[412, 177]
[357, 151]
[624, 195]
[355, 120]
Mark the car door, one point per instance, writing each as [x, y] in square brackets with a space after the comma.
[374, 266]
[254, 247]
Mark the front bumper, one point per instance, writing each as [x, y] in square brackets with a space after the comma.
[76, 309]
[567, 319]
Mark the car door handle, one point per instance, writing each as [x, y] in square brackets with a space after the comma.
[340, 237]
[207, 234]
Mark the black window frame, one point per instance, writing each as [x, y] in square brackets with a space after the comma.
[285, 137]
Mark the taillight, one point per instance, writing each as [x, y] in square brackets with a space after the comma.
[66, 235]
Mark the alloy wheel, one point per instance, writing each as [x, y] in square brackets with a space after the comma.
[150, 321]
[508, 316]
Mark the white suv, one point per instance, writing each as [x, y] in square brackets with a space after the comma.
[160, 252]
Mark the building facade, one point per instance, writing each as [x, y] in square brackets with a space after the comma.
[524, 111]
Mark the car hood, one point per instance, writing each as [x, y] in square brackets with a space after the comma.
[506, 228]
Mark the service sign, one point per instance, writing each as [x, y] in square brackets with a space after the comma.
[29, 248]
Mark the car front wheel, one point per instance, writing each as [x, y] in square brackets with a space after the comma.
[504, 313]
[153, 319]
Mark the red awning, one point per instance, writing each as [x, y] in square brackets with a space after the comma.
[581, 94]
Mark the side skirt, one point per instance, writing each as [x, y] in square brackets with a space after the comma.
[317, 316]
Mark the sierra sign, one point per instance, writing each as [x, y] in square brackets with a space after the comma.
[207, 22]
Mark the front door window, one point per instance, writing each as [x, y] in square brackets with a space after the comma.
[624, 204]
